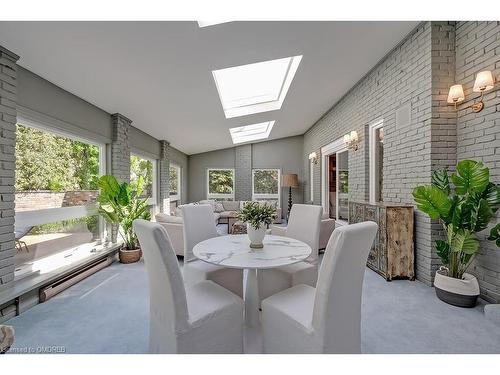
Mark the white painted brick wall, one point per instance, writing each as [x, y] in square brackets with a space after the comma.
[478, 134]
[402, 77]
[243, 173]
[164, 176]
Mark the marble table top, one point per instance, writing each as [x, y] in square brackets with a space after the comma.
[234, 251]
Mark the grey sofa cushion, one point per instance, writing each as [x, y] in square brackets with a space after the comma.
[164, 218]
[226, 214]
[231, 205]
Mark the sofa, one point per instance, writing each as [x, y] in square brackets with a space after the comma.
[222, 211]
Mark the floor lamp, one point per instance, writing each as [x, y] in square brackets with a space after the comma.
[290, 181]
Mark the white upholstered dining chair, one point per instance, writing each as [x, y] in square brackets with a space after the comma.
[325, 319]
[202, 318]
[303, 225]
[199, 225]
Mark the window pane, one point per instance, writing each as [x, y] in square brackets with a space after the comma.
[46, 247]
[266, 181]
[173, 180]
[48, 162]
[220, 181]
[343, 185]
[53, 172]
[142, 167]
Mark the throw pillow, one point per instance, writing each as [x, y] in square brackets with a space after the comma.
[219, 207]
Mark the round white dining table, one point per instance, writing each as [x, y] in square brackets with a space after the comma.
[234, 251]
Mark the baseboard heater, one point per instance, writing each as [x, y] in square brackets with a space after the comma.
[58, 286]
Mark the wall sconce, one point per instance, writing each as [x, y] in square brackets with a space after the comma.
[484, 82]
[456, 95]
[351, 140]
[313, 157]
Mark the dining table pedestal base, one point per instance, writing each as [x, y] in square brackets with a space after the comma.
[252, 301]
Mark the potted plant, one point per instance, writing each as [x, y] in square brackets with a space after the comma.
[258, 217]
[463, 211]
[120, 204]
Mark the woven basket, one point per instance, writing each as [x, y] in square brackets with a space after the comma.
[129, 256]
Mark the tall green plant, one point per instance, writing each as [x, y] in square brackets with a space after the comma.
[121, 204]
[463, 211]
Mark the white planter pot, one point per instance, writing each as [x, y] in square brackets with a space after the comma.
[256, 236]
[457, 292]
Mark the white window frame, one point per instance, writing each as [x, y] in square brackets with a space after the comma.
[373, 174]
[177, 197]
[336, 147]
[311, 181]
[217, 195]
[277, 196]
[152, 200]
[53, 215]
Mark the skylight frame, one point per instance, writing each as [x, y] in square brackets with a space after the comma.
[252, 133]
[257, 107]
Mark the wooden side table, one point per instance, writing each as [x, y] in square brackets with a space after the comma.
[239, 227]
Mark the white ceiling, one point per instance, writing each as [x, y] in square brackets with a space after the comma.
[159, 74]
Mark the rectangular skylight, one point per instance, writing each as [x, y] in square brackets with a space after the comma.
[210, 23]
[255, 88]
[249, 133]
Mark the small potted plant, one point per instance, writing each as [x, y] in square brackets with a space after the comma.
[120, 204]
[258, 217]
[463, 211]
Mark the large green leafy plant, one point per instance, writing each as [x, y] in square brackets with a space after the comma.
[121, 204]
[463, 211]
[257, 214]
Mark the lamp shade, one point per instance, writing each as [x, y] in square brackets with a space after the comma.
[484, 81]
[456, 94]
[290, 180]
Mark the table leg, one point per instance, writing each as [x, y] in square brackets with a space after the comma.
[252, 299]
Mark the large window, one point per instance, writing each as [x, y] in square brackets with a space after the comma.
[175, 178]
[220, 184]
[376, 138]
[55, 193]
[266, 185]
[145, 167]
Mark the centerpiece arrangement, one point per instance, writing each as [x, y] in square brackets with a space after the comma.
[258, 217]
[463, 211]
[120, 205]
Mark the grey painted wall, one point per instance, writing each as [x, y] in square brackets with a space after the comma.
[285, 154]
[197, 169]
[44, 97]
[74, 113]
[144, 143]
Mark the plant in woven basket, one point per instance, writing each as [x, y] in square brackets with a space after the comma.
[121, 204]
[257, 214]
[463, 211]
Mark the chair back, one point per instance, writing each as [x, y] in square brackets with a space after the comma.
[167, 295]
[304, 225]
[199, 225]
[337, 304]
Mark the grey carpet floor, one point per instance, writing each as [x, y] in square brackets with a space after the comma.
[108, 313]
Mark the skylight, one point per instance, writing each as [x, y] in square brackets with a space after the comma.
[210, 23]
[249, 133]
[254, 88]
